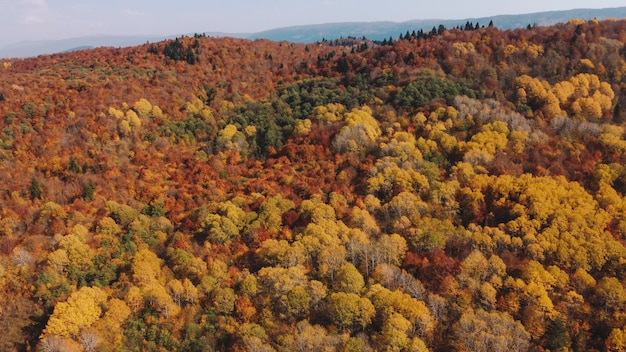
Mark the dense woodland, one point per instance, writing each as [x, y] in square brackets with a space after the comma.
[456, 190]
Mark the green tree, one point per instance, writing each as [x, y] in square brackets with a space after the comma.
[349, 279]
[349, 310]
[35, 188]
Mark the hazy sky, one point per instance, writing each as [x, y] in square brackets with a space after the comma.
[22, 20]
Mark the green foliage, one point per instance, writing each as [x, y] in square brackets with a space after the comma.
[303, 97]
[176, 51]
[195, 126]
[429, 88]
[273, 122]
[35, 189]
[88, 190]
[348, 310]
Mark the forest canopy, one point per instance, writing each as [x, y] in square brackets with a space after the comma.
[459, 189]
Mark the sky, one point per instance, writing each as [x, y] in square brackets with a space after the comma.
[31, 20]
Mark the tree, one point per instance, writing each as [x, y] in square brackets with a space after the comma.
[359, 134]
[495, 331]
[349, 279]
[611, 293]
[616, 342]
[307, 337]
[35, 189]
[349, 310]
[146, 267]
[79, 254]
[330, 259]
[393, 336]
[223, 300]
[413, 310]
[298, 302]
[79, 311]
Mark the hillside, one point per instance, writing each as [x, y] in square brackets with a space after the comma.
[450, 190]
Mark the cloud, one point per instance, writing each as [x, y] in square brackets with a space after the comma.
[32, 11]
[32, 19]
[133, 13]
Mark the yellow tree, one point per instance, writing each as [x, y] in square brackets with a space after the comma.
[616, 342]
[360, 133]
[109, 327]
[81, 309]
[146, 266]
[413, 310]
[495, 331]
[349, 279]
[393, 336]
[79, 254]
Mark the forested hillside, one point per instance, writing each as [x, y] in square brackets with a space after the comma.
[454, 190]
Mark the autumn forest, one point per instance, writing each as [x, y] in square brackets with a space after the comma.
[460, 189]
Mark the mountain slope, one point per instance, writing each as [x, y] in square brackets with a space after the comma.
[234, 195]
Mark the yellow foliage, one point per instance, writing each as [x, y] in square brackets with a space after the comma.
[125, 127]
[143, 107]
[463, 48]
[133, 119]
[134, 299]
[58, 260]
[332, 112]
[413, 310]
[403, 147]
[587, 108]
[510, 49]
[533, 50]
[363, 220]
[563, 91]
[616, 342]
[118, 114]
[533, 88]
[360, 132]
[303, 127]
[586, 63]
[156, 111]
[80, 311]
[394, 332]
[116, 313]
[156, 294]
[612, 138]
[427, 146]
[393, 177]
[146, 266]
[78, 253]
[483, 146]
[553, 217]
[518, 139]
[576, 21]
[196, 105]
[52, 210]
[539, 93]
[228, 132]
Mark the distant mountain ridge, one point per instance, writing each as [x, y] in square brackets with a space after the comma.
[318, 32]
[382, 30]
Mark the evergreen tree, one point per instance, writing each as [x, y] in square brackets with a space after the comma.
[35, 189]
